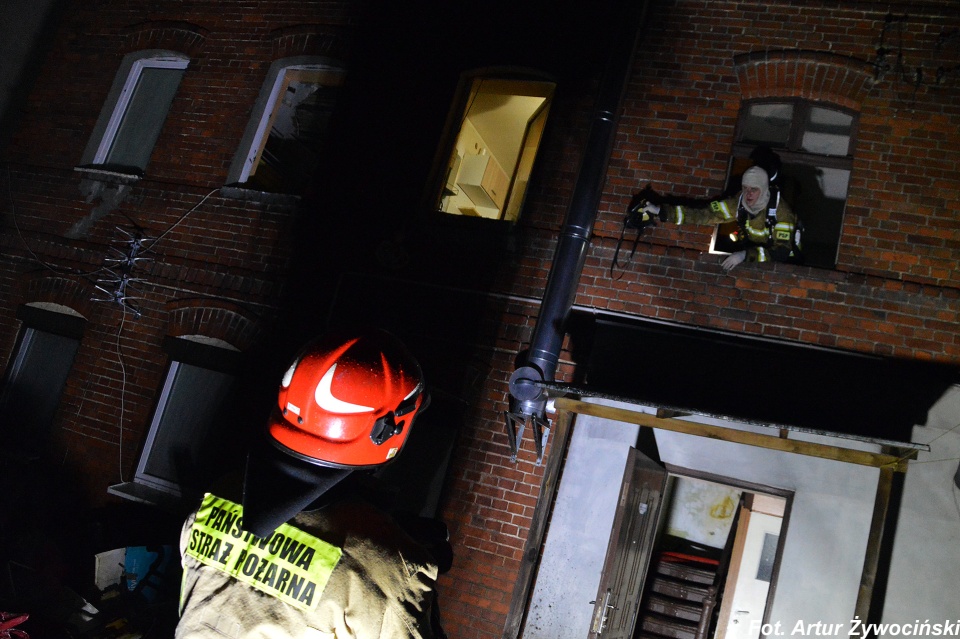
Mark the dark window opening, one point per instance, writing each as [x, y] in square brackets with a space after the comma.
[815, 143]
[36, 377]
[288, 143]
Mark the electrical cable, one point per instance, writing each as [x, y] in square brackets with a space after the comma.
[930, 461]
[137, 247]
[36, 258]
[123, 391]
[122, 301]
[117, 296]
[181, 219]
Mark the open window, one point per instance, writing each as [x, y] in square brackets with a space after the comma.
[281, 148]
[37, 374]
[497, 133]
[182, 449]
[136, 109]
[815, 143]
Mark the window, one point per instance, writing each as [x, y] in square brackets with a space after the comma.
[497, 135]
[815, 143]
[131, 122]
[281, 149]
[37, 375]
[177, 455]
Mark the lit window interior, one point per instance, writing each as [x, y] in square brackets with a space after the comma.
[490, 165]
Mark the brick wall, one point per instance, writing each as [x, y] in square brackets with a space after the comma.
[220, 260]
[222, 268]
[893, 293]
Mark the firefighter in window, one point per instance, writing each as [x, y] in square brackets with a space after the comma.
[289, 550]
[761, 221]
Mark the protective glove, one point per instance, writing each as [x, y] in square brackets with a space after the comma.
[731, 261]
[639, 217]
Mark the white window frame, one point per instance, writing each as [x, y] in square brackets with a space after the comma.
[118, 102]
[167, 395]
[31, 352]
[149, 488]
[266, 117]
[123, 101]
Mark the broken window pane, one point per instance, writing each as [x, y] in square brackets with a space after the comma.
[286, 153]
[814, 143]
[827, 132]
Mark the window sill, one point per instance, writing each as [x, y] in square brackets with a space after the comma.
[262, 197]
[143, 494]
[104, 174]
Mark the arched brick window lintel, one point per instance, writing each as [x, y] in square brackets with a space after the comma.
[812, 75]
[183, 37]
[63, 290]
[310, 39]
[218, 319]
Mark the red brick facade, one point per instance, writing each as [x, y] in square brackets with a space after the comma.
[894, 291]
[222, 267]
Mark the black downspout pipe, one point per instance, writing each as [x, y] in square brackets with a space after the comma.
[541, 361]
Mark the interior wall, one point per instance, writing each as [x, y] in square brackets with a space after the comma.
[824, 542]
[925, 561]
[826, 535]
[470, 142]
[701, 511]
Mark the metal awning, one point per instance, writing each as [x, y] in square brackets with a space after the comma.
[757, 381]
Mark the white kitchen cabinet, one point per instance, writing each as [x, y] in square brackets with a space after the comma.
[483, 181]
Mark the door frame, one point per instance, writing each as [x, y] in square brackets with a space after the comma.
[893, 458]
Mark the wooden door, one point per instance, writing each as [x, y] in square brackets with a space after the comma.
[628, 552]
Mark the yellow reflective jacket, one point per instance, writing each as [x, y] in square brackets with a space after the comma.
[761, 241]
[381, 584]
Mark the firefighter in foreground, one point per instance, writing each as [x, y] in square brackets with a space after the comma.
[767, 227]
[296, 554]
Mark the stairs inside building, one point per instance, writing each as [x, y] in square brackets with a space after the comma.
[679, 597]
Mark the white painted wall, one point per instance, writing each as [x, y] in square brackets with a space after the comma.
[826, 535]
[826, 530]
[576, 543]
[924, 579]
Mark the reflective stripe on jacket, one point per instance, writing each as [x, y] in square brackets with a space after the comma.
[380, 588]
[759, 242]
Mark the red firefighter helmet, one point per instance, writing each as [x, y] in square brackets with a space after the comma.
[348, 403]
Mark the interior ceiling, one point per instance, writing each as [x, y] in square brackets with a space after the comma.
[501, 121]
[764, 381]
